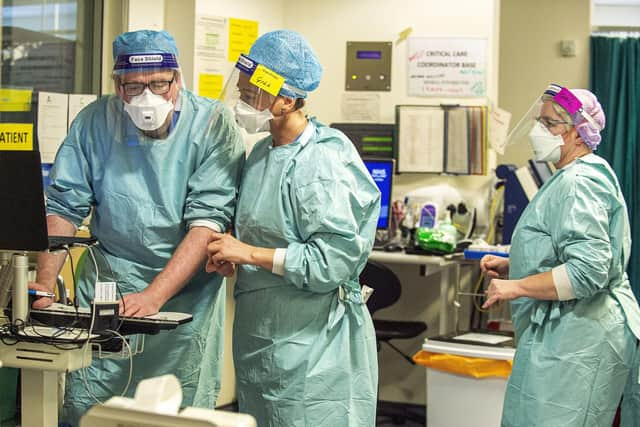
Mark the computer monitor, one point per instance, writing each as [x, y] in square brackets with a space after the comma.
[23, 219]
[370, 139]
[381, 171]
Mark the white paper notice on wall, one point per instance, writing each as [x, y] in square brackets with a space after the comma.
[77, 102]
[447, 66]
[52, 123]
[420, 139]
[499, 120]
[361, 107]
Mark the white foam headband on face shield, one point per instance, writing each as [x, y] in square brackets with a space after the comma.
[572, 105]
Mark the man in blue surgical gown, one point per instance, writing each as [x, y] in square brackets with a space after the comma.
[304, 344]
[158, 169]
[575, 316]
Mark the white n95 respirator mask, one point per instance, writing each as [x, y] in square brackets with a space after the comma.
[148, 110]
[251, 119]
[546, 146]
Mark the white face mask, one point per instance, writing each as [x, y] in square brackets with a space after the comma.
[148, 110]
[546, 146]
[251, 119]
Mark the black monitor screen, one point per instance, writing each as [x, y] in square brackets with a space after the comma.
[382, 173]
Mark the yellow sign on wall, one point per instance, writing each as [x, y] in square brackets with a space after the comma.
[210, 85]
[242, 34]
[16, 136]
[15, 100]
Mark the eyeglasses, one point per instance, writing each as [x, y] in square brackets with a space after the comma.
[159, 87]
[550, 123]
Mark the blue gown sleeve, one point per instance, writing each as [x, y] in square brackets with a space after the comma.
[580, 234]
[70, 194]
[336, 213]
[212, 189]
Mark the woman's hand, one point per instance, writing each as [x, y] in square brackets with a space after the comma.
[502, 290]
[223, 268]
[495, 267]
[225, 249]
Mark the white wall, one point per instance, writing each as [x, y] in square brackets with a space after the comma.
[530, 56]
[329, 24]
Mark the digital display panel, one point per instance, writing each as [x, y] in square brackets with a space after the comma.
[369, 54]
[382, 173]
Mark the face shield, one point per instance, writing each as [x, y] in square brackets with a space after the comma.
[250, 92]
[148, 86]
[547, 120]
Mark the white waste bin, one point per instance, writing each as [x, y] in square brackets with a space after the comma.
[461, 400]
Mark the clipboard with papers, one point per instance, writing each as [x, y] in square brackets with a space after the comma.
[449, 139]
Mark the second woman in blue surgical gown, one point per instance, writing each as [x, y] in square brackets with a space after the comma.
[573, 354]
[304, 344]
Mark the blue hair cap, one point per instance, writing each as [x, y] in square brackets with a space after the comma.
[290, 55]
[144, 42]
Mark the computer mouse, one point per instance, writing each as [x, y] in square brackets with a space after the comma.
[393, 247]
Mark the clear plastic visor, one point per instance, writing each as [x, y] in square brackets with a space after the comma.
[239, 88]
[542, 112]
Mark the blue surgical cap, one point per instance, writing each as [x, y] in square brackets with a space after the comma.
[144, 50]
[290, 55]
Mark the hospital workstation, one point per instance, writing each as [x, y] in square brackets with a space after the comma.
[136, 202]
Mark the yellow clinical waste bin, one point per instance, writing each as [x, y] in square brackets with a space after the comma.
[466, 378]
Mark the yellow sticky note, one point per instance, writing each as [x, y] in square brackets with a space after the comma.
[15, 100]
[404, 34]
[16, 136]
[267, 80]
[242, 34]
[210, 85]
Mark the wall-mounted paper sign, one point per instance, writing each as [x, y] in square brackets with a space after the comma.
[447, 67]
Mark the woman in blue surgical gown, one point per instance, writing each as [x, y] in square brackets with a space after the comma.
[303, 340]
[575, 316]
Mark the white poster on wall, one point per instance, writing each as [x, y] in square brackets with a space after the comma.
[210, 53]
[210, 47]
[361, 107]
[447, 66]
[52, 123]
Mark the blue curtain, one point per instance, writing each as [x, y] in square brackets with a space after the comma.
[615, 79]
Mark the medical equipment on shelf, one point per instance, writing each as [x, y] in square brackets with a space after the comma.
[63, 340]
[157, 404]
[438, 217]
[521, 185]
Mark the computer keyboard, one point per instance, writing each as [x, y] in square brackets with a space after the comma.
[63, 315]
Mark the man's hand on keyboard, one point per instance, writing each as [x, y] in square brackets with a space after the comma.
[139, 304]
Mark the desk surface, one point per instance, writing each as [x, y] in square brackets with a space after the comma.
[404, 258]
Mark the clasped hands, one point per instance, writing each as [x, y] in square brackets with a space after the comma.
[225, 252]
[500, 288]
